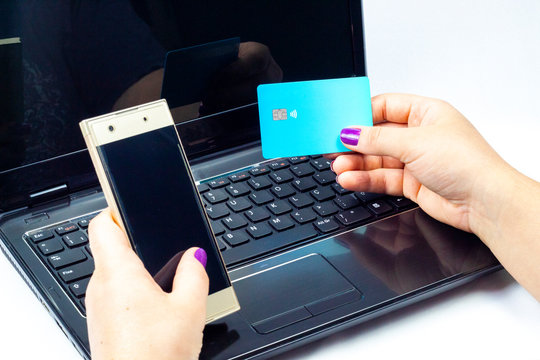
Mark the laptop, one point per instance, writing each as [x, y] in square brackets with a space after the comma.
[306, 257]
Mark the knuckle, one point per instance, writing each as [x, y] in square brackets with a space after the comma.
[374, 137]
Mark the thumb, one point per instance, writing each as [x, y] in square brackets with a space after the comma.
[191, 282]
[378, 140]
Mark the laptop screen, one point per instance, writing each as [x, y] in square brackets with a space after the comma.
[80, 59]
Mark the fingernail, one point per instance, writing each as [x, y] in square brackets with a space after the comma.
[332, 165]
[350, 136]
[337, 178]
[200, 255]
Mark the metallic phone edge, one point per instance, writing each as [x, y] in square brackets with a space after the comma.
[221, 304]
[102, 176]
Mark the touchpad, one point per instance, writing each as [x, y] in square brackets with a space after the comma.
[291, 292]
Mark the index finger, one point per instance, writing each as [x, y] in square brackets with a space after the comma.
[400, 108]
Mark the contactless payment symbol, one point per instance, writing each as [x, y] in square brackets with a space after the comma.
[294, 114]
[279, 114]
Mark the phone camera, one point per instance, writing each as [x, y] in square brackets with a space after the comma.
[111, 128]
[145, 118]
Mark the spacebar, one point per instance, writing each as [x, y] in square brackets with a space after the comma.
[259, 247]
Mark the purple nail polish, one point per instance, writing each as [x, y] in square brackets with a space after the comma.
[332, 165]
[350, 136]
[200, 255]
[337, 177]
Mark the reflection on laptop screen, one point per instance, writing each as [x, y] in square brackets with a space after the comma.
[85, 58]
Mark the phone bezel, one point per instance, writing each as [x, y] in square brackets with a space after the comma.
[135, 121]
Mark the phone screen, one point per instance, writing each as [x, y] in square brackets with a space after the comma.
[159, 205]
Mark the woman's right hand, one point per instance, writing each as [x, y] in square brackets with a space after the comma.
[423, 149]
[427, 151]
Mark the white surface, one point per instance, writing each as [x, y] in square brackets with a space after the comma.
[484, 58]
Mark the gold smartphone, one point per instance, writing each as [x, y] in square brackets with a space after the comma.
[148, 184]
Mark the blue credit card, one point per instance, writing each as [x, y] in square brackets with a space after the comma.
[306, 117]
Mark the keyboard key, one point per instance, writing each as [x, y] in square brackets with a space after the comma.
[238, 190]
[325, 177]
[88, 250]
[83, 224]
[323, 194]
[340, 190]
[302, 170]
[326, 225]
[258, 231]
[315, 156]
[221, 245]
[283, 191]
[218, 183]
[78, 271]
[301, 201]
[261, 197]
[380, 207]
[217, 211]
[298, 159]
[202, 188]
[304, 184]
[347, 202]
[257, 214]
[278, 165]
[66, 258]
[400, 202]
[241, 176]
[41, 235]
[216, 196]
[281, 223]
[279, 207]
[353, 216]
[235, 239]
[366, 197]
[78, 288]
[234, 222]
[239, 204]
[326, 208]
[51, 246]
[217, 228]
[258, 171]
[75, 239]
[304, 216]
[67, 228]
[259, 183]
[270, 243]
[321, 164]
[281, 176]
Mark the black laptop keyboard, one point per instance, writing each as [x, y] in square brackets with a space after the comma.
[64, 250]
[253, 213]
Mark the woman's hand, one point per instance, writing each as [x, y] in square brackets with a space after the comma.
[129, 316]
[423, 149]
[426, 150]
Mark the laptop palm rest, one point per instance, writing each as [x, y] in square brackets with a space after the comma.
[292, 292]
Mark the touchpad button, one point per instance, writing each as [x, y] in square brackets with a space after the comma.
[292, 292]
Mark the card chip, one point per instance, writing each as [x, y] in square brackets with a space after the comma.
[279, 114]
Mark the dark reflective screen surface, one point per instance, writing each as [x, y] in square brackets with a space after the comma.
[159, 204]
[85, 58]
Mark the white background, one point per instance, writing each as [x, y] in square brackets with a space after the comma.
[484, 58]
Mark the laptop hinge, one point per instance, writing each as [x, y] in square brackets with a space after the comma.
[53, 193]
